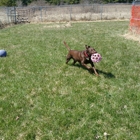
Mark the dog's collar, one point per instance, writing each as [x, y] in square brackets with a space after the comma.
[86, 55]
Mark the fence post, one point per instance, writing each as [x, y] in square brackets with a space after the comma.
[15, 15]
[7, 9]
[41, 13]
[101, 11]
[70, 12]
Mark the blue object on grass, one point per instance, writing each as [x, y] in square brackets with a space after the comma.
[3, 53]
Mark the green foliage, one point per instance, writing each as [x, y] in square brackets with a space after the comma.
[8, 2]
[42, 98]
[26, 2]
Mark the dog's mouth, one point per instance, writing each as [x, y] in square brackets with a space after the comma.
[90, 52]
[93, 53]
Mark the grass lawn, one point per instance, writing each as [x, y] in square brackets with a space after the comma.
[42, 98]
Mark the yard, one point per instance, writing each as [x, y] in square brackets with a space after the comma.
[42, 98]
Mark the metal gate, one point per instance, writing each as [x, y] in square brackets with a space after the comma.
[11, 12]
[18, 15]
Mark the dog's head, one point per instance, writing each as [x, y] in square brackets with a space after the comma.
[90, 50]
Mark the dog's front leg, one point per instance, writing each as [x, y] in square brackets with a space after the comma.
[94, 69]
[89, 68]
[84, 64]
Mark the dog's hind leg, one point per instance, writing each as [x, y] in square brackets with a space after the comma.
[74, 61]
[68, 58]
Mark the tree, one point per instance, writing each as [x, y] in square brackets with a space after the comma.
[8, 3]
[26, 2]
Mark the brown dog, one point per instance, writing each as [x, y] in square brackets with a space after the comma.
[83, 57]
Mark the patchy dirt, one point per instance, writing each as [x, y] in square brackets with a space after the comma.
[59, 25]
[132, 36]
[6, 25]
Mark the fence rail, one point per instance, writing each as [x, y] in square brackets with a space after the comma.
[88, 12]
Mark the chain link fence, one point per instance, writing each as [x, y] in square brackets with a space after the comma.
[85, 12]
[3, 16]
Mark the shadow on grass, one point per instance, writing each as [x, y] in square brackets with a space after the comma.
[106, 74]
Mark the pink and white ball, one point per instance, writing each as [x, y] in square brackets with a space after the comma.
[96, 57]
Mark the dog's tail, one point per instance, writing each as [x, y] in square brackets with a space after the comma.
[66, 45]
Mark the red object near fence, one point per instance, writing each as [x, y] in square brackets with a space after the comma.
[135, 17]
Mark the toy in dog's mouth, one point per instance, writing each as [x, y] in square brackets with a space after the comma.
[96, 57]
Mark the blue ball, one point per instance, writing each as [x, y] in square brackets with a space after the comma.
[3, 53]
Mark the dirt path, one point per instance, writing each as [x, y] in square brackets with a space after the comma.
[131, 36]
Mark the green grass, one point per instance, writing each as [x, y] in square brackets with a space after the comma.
[42, 98]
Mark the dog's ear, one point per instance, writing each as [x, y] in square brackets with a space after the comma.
[87, 46]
